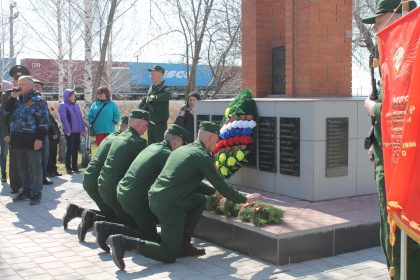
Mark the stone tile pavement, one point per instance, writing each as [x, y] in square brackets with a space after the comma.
[33, 245]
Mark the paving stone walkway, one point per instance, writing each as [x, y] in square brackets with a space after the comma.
[33, 245]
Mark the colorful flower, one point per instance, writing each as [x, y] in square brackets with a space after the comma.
[224, 171]
[231, 161]
[217, 164]
[222, 158]
[239, 155]
[227, 112]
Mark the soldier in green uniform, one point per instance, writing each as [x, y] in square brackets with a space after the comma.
[177, 198]
[132, 190]
[156, 102]
[386, 12]
[90, 181]
[124, 149]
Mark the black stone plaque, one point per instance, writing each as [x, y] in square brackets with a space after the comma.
[290, 146]
[337, 149]
[267, 144]
[279, 70]
[217, 119]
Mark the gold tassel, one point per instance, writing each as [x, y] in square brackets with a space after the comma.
[392, 226]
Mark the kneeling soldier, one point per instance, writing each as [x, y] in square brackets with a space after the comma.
[124, 149]
[174, 199]
[132, 190]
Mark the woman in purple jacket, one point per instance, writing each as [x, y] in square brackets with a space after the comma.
[73, 125]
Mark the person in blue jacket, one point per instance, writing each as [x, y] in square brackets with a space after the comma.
[103, 121]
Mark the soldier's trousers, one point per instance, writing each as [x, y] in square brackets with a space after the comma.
[90, 184]
[413, 249]
[155, 133]
[109, 197]
[15, 181]
[174, 221]
[139, 211]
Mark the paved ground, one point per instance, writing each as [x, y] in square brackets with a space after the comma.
[33, 245]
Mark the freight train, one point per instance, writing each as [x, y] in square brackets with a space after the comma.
[129, 80]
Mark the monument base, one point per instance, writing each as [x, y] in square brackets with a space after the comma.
[310, 230]
[307, 148]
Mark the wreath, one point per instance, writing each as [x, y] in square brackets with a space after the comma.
[237, 134]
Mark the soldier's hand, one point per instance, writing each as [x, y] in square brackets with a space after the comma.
[370, 106]
[252, 197]
[182, 112]
[37, 145]
[6, 139]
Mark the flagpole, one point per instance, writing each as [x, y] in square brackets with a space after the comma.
[403, 245]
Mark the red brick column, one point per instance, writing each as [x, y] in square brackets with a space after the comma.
[317, 37]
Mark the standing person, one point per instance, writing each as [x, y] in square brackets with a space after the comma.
[28, 127]
[38, 86]
[186, 115]
[103, 115]
[386, 12]
[176, 200]
[15, 180]
[73, 125]
[54, 135]
[156, 102]
[4, 131]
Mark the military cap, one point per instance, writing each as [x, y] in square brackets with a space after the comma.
[124, 119]
[388, 6]
[210, 127]
[140, 115]
[17, 71]
[157, 68]
[36, 81]
[179, 131]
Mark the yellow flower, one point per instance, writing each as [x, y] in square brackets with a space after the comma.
[224, 171]
[240, 155]
[231, 161]
[227, 112]
[222, 158]
[217, 164]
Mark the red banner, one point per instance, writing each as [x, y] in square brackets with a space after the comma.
[399, 50]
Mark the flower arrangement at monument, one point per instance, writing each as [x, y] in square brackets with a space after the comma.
[258, 213]
[231, 152]
[237, 134]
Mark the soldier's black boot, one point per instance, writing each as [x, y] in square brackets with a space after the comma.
[72, 211]
[104, 230]
[121, 243]
[88, 218]
[188, 250]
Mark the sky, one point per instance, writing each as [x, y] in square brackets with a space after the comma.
[133, 37]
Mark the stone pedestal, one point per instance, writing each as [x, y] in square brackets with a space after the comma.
[328, 161]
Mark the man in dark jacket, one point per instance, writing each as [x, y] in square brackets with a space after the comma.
[54, 139]
[28, 127]
[156, 102]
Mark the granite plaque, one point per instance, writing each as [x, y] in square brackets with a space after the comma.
[290, 146]
[337, 147]
[267, 156]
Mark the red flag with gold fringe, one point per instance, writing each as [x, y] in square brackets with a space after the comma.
[399, 48]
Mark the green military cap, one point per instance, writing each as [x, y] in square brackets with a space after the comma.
[36, 81]
[388, 6]
[157, 68]
[140, 115]
[179, 131]
[17, 71]
[124, 119]
[210, 127]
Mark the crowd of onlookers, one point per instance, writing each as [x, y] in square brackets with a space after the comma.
[30, 135]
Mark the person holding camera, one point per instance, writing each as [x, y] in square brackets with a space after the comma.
[186, 115]
[103, 115]
[28, 127]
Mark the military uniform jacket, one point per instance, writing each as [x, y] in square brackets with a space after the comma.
[158, 105]
[143, 171]
[98, 160]
[124, 149]
[181, 178]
